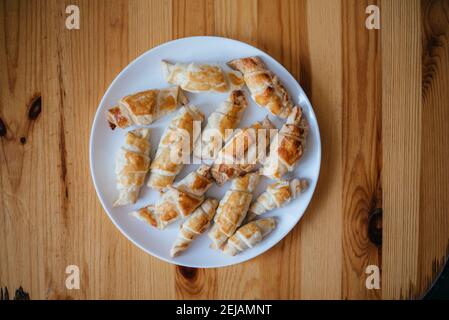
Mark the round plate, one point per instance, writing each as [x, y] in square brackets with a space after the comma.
[145, 73]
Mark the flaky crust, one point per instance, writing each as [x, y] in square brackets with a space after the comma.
[197, 182]
[265, 87]
[132, 164]
[242, 153]
[178, 200]
[233, 208]
[226, 116]
[277, 195]
[249, 235]
[194, 225]
[143, 108]
[287, 146]
[176, 143]
[200, 77]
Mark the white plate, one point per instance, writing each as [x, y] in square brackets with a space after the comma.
[144, 73]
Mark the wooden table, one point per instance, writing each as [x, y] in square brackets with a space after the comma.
[382, 102]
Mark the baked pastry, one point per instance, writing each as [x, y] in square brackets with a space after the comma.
[132, 164]
[145, 107]
[194, 225]
[196, 77]
[287, 147]
[226, 116]
[243, 152]
[249, 235]
[176, 144]
[265, 87]
[277, 195]
[233, 208]
[178, 200]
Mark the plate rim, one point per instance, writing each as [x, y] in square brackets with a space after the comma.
[92, 174]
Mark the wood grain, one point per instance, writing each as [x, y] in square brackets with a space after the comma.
[434, 201]
[380, 97]
[415, 141]
[362, 156]
[321, 256]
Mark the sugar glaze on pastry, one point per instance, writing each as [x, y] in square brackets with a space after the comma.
[233, 208]
[132, 164]
[249, 235]
[194, 225]
[143, 108]
[277, 195]
[200, 77]
[287, 147]
[179, 200]
[226, 116]
[176, 143]
[265, 87]
[243, 152]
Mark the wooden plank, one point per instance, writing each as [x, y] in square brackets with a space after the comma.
[434, 193]
[362, 149]
[320, 230]
[150, 24]
[27, 181]
[414, 43]
[193, 18]
[236, 19]
[79, 65]
[401, 136]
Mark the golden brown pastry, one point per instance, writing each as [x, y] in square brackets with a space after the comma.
[287, 147]
[194, 225]
[176, 144]
[265, 87]
[226, 116]
[195, 77]
[178, 200]
[233, 208]
[249, 235]
[277, 195]
[145, 107]
[132, 164]
[243, 152]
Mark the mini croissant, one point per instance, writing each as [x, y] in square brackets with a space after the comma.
[243, 152]
[195, 77]
[132, 164]
[145, 107]
[277, 195]
[265, 87]
[249, 235]
[194, 225]
[287, 147]
[178, 200]
[233, 208]
[177, 142]
[226, 116]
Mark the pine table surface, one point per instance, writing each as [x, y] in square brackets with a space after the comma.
[382, 102]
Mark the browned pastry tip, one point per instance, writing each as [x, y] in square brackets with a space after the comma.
[248, 63]
[238, 97]
[222, 172]
[182, 98]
